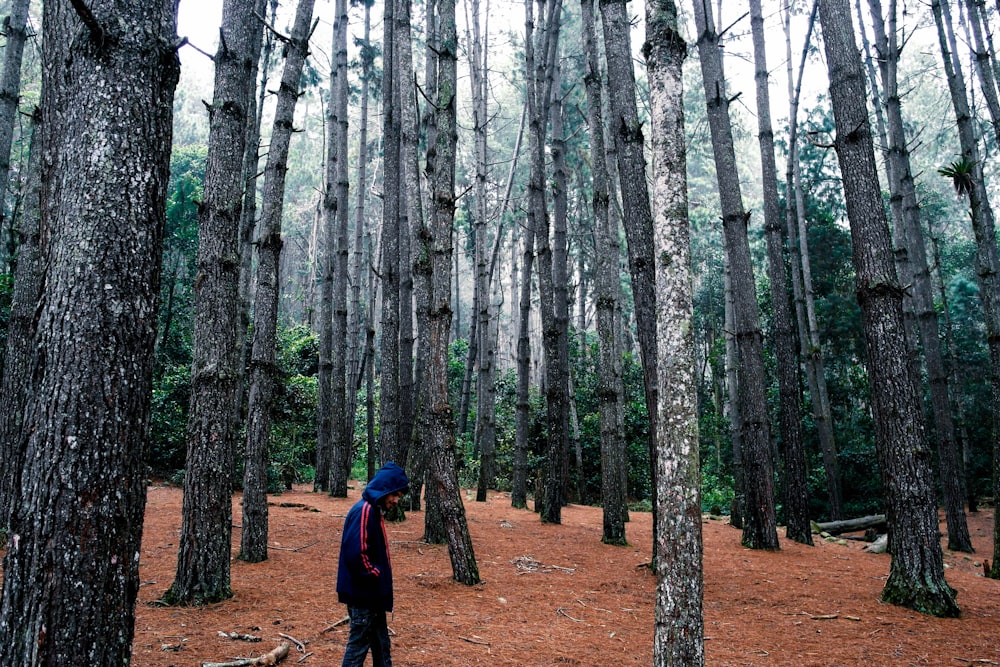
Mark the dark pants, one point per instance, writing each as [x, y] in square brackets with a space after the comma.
[368, 630]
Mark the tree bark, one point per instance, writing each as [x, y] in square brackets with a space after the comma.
[263, 367]
[984, 229]
[796, 486]
[216, 371]
[916, 577]
[607, 254]
[338, 188]
[638, 217]
[679, 624]
[15, 384]
[10, 90]
[437, 415]
[389, 347]
[906, 213]
[805, 311]
[759, 525]
[71, 571]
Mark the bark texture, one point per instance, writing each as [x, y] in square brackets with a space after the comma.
[916, 576]
[795, 487]
[759, 522]
[439, 421]
[263, 367]
[216, 370]
[71, 571]
[679, 623]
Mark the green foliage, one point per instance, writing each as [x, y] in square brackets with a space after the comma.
[961, 174]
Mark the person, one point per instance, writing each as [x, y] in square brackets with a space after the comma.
[364, 572]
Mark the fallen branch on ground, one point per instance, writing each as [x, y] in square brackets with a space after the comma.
[345, 619]
[299, 645]
[238, 636]
[474, 641]
[270, 658]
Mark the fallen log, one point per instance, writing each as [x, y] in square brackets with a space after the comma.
[876, 521]
[268, 659]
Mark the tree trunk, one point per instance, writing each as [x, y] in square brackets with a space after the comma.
[796, 487]
[607, 253]
[907, 217]
[759, 523]
[485, 431]
[15, 386]
[916, 577]
[437, 414]
[389, 389]
[638, 218]
[10, 89]
[336, 208]
[263, 367]
[71, 573]
[984, 228]
[805, 312]
[679, 627]
[213, 420]
[356, 320]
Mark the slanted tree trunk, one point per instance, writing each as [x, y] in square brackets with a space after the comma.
[906, 212]
[796, 486]
[759, 523]
[10, 89]
[679, 629]
[607, 253]
[916, 576]
[204, 550]
[263, 367]
[439, 423]
[638, 217]
[15, 384]
[71, 574]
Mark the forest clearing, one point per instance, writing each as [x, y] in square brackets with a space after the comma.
[554, 595]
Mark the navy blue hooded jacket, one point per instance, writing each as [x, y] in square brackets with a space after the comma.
[364, 576]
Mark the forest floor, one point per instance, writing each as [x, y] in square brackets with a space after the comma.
[554, 595]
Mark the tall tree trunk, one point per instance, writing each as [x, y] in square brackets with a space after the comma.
[759, 525]
[71, 574]
[984, 228]
[810, 348]
[389, 347]
[10, 90]
[541, 82]
[607, 253]
[907, 217]
[263, 367]
[338, 188]
[796, 485]
[679, 627]
[205, 547]
[15, 385]
[638, 217]
[437, 414]
[410, 168]
[916, 576]
[356, 320]
[485, 431]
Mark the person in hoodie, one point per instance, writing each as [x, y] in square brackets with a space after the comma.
[364, 575]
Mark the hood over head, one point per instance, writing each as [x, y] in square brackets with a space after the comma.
[389, 479]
